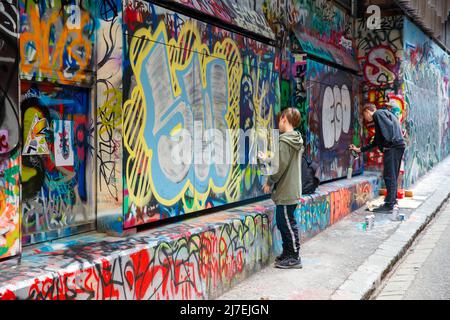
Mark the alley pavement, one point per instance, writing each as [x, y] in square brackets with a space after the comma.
[424, 272]
[346, 261]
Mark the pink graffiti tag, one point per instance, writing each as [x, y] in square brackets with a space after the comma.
[4, 141]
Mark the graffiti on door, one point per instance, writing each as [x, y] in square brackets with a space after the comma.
[56, 184]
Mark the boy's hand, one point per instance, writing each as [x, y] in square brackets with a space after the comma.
[266, 188]
[262, 156]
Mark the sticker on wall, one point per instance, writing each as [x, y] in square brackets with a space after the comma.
[63, 143]
[36, 142]
[4, 141]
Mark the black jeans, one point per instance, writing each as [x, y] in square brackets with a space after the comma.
[289, 231]
[392, 162]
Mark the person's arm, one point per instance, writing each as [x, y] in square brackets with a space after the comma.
[284, 155]
[369, 146]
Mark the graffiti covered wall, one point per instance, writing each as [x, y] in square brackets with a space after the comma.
[426, 72]
[402, 65]
[9, 131]
[185, 75]
[332, 118]
[380, 54]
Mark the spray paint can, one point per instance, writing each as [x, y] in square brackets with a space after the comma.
[395, 213]
[349, 173]
[353, 156]
[370, 222]
[350, 167]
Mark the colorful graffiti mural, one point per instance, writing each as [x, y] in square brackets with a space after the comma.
[426, 71]
[205, 260]
[109, 117]
[57, 41]
[9, 131]
[333, 119]
[56, 182]
[194, 77]
[380, 53]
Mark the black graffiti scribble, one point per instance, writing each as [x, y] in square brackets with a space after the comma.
[9, 118]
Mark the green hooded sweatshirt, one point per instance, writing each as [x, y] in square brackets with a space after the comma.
[288, 178]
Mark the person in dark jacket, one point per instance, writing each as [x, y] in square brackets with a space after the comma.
[389, 140]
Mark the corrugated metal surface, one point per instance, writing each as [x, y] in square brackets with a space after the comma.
[429, 14]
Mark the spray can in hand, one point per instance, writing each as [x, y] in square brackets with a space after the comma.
[353, 156]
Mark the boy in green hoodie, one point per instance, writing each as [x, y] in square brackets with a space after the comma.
[287, 187]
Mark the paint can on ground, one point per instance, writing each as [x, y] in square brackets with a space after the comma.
[370, 222]
[395, 213]
[401, 217]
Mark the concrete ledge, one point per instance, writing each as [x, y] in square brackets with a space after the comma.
[199, 258]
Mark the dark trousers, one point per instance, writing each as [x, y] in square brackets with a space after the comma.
[392, 162]
[289, 231]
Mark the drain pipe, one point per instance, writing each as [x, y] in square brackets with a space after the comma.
[355, 16]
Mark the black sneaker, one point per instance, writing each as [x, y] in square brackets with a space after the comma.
[289, 263]
[384, 209]
[281, 257]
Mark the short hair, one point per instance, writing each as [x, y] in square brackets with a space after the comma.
[292, 115]
[369, 106]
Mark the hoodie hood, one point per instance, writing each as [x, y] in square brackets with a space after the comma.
[293, 138]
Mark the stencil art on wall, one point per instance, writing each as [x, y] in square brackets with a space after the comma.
[63, 143]
[36, 142]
